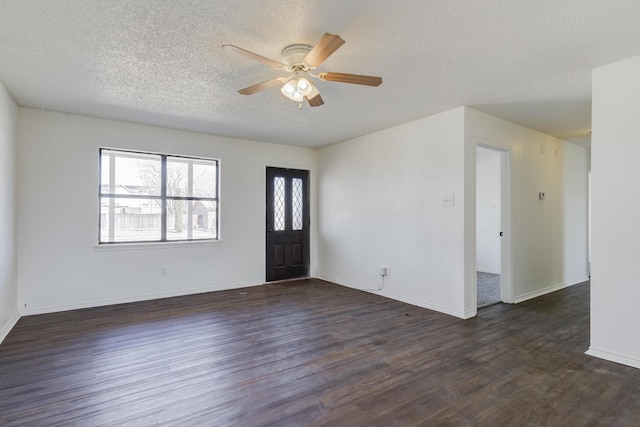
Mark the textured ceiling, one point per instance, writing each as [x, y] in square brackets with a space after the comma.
[160, 62]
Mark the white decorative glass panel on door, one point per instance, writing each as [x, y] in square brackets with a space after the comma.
[296, 203]
[278, 203]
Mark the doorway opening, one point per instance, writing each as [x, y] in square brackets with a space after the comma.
[492, 256]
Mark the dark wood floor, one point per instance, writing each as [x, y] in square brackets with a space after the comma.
[312, 353]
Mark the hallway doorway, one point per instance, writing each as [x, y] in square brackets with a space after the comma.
[491, 213]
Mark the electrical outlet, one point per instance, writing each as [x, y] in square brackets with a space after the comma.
[163, 271]
[384, 271]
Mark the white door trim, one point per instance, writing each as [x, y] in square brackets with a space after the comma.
[506, 289]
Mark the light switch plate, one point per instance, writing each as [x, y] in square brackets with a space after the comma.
[448, 200]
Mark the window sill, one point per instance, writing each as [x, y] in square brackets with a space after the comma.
[155, 245]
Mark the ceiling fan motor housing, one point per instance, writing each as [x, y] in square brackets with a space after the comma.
[294, 54]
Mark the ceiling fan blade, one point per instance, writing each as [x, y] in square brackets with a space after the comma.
[357, 79]
[254, 56]
[316, 101]
[328, 44]
[261, 86]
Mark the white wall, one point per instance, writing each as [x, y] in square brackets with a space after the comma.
[488, 208]
[8, 201]
[615, 208]
[380, 205]
[548, 238]
[58, 265]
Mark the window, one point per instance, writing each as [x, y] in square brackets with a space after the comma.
[147, 197]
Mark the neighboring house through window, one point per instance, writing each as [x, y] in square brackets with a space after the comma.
[147, 197]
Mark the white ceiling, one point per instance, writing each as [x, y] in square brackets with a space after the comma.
[160, 62]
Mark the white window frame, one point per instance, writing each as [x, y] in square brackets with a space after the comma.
[111, 195]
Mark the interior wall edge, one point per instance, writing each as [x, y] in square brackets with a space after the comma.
[8, 212]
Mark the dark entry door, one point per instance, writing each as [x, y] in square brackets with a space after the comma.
[287, 224]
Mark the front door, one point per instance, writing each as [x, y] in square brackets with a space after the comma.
[287, 224]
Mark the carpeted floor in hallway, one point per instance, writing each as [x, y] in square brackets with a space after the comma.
[488, 289]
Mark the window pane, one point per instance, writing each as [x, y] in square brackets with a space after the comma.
[204, 179]
[132, 220]
[296, 203]
[205, 220]
[136, 213]
[278, 203]
[191, 220]
[105, 162]
[177, 177]
[136, 174]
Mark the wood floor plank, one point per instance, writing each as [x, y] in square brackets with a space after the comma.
[312, 353]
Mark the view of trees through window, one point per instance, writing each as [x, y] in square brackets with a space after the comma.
[156, 197]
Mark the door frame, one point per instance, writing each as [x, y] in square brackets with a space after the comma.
[312, 207]
[506, 258]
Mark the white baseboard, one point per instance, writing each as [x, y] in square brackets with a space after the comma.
[530, 295]
[138, 298]
[7, 327]
[397, 297]
[434, 307]
[614, 357]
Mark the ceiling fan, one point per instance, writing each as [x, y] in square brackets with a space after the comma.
[299, 60]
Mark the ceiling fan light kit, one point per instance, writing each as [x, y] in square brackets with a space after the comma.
[297, 88]
[302, 58]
